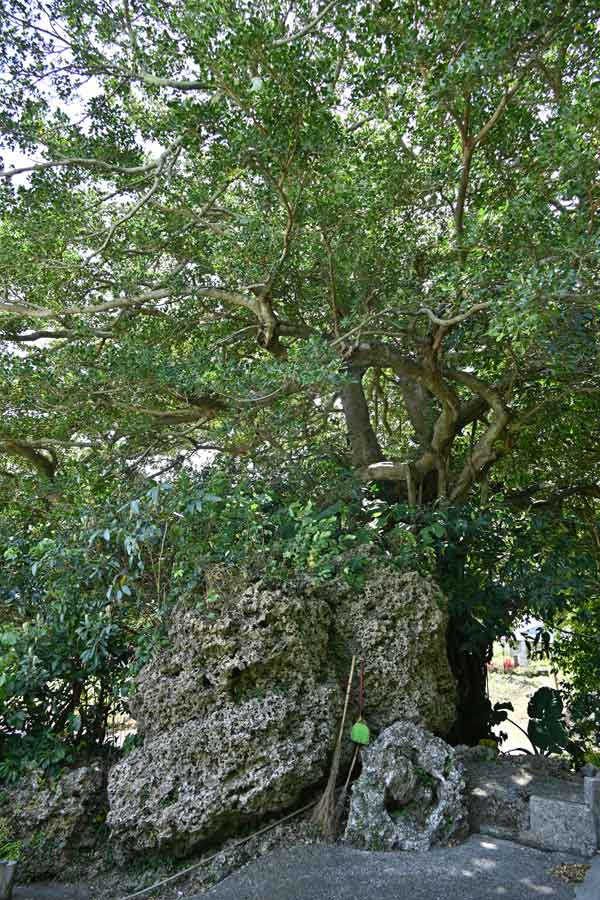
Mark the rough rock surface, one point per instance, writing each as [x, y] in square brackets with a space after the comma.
[239, 717]
[57, 821]
[397, 623]
[410, 794]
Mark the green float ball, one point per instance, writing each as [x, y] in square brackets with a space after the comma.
[360, 732]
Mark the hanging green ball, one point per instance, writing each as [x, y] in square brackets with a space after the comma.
[360, 732]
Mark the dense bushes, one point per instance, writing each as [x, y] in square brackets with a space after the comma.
[84, 608]
[576, 653]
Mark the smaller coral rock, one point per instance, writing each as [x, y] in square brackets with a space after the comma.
[410, 795]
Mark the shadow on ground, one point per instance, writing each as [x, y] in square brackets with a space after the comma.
[483, 868]
[480, 869]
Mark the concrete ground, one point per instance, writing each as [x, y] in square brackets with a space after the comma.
[480, 869]
[483, 868]
[42, 890]
[590, 889]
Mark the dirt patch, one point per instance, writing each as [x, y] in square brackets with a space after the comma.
[516, 688]
[572, 872]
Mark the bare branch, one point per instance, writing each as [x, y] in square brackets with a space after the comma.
[484, 453]
[482, 135]
[196, 413]
[39, 312]
[233, 298]
[174, 151]
[310, 27]
[84, 162]
[386, 470]
[146, 77]
[42, 335]
[191, 85]
[490, 394]
[446, 323]
[287, 387]
[461, 199]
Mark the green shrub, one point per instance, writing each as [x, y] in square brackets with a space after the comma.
[10, 849]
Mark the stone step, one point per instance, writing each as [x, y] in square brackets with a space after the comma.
[538, 810]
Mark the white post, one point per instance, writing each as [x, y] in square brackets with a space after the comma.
[523, 655]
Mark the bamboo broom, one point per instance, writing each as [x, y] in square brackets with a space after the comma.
[325, 814]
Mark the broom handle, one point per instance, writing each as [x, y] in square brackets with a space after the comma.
[351, 769]
[361, 690]
[348, 690]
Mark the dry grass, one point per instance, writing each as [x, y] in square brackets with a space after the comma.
[571, 872]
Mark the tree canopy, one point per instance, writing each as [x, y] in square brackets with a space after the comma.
[276, 229]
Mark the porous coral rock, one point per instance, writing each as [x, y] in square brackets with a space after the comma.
[209, 776]
[239, 718]
[410, 794]
[239, 714]
[56, 820]
[243, 647]
[397, 623]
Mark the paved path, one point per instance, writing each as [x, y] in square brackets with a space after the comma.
[590, 889]
[50, 890]
[480, 869]
[483, 868]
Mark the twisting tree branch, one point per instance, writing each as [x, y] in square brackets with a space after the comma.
[310, 27]
[172, 152]
[140, 75]
[83, 162]
[40, 312]
[446, 323]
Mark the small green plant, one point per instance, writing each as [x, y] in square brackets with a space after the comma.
[495, 715]
[10, 849]
[131, 742]
[547, 729]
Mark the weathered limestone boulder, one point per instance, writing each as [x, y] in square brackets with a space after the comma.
[239, 717]
[410, 794]
[397, 623]
[58, 821]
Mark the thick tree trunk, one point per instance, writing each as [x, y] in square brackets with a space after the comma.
[419, 484]
[364, 445]
[470, 672]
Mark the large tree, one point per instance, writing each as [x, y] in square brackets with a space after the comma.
[291, 231]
